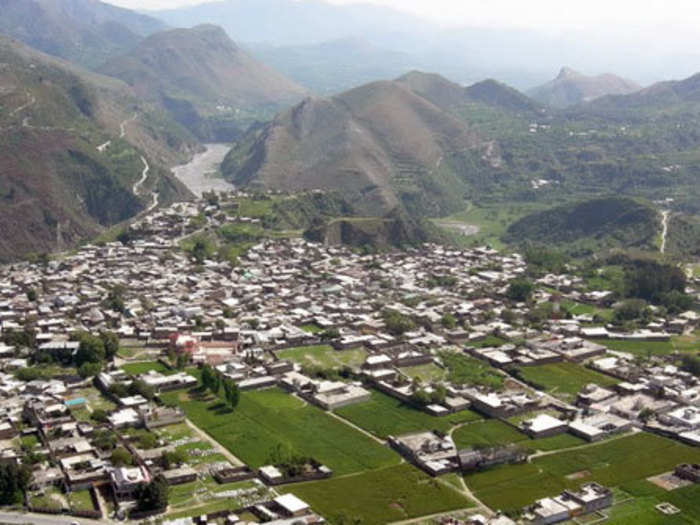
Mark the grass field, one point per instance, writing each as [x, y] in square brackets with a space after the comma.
[80, 500]
[493, 432]
[428, 373]
[637, 347]
[639, 510]
[466, 370]
[611, 463]
[563, 379]
[324, 356]
[267, 418]
[134, 369]
[380, 496]
[384, 415]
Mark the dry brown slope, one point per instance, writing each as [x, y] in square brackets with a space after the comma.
[379, 144]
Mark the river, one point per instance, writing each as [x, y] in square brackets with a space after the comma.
[200, 174]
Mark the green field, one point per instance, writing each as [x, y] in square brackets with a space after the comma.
[324, 356]
[466, 370]
[386, 416]
[611, 463]
[639, 510]
[563, 379]
[642, 348]
[493, 433]
[80, 500]
[267, 418]
[428, 373]
[135, 369]
[380, 496]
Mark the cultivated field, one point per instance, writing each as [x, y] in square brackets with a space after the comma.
[268, 418]
[563, 379]
[324, 356]
[612, 463]
[135, 369]
[384, 415]
[493, 432]
[380, 496]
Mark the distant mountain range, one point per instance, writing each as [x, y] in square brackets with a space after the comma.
[571, 88]
[85, 32]
[208, 84]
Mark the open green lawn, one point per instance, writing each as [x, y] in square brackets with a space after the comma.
[489, 340]
[466, 370]
[134, 369]
[267, 418]
[563, 379]
[637, 347]
[428, 373]
[380, 496]
[493, 432]
[312, 328]
[386, 416]
[644, 496]
[80, 500]
[324, 356]
[611, 463]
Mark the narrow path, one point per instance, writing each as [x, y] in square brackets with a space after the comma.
[154, 204]
[215, 444]
[122, 126]
[359, 429]
[664, 225]
[30, 102]
[144, 176]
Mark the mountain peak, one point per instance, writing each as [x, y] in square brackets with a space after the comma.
[567, 72]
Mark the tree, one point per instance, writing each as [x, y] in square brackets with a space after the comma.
[31, 295]
[330, 334]
[148, 441]
[14, 481]
[519, 290]
[139, 387]
[153, 495]
[104, 439]
[91, 349]
[448, 321]
[110, 341]
[207, 377]
[397, 323]
[121, 457]
[89, 370]
[99, 415]
[231, 393]
[172, 459]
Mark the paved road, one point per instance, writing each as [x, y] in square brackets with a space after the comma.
[44, 519]
[664, 232]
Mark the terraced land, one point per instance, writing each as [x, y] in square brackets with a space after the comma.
[266, 419]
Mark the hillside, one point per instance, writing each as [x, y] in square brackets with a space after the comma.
[571, 88]
[380, 145]
[57, 188]
[204, 80]
[590, 226]
[86, 32]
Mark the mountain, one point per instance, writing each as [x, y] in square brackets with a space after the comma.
[448, 95]
[336, 65]
[86, 32]
[590, 226]
[380, 145]
[204, 80]
[571, 88]
[56, 186]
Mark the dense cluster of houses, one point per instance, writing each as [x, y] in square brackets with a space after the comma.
[238, 318]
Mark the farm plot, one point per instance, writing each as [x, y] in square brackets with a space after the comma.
[611, 463]
[264, 420]
[380, 496]
[563, 379]
[324, 356]
[385, 416]
[134, 369]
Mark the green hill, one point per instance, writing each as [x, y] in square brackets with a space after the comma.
[56, 187]
[590, 226]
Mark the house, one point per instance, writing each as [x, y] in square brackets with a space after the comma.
[126, 481]
[543, 425]
[433, 453]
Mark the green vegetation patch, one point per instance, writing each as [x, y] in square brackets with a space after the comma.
[135, 369]
[381, 496]
[386, 416]
[465, 370]
[428, 373]
[563, 379]
[324, 356]
[611, 463]
[637, 504]
[80, 500]
[266, 419]
[642, 348]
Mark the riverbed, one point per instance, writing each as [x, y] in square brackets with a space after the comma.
[201, 173]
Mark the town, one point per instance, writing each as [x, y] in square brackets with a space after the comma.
[304, 383]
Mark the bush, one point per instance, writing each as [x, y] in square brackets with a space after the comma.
[121, 457]
[520, 290]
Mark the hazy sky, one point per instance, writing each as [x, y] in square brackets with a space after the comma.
[530, 13]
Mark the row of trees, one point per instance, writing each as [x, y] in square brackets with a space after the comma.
[215, 382]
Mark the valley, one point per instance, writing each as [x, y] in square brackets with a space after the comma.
[201, 174]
